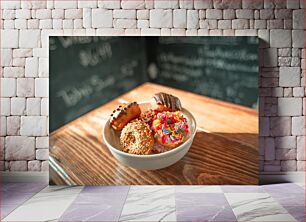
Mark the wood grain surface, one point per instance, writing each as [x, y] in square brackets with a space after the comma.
[224, 151]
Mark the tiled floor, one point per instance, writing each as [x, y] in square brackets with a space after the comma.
[39, 202]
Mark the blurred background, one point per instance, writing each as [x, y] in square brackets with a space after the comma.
[86, 72]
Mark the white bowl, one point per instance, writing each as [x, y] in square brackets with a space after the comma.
[153, 161]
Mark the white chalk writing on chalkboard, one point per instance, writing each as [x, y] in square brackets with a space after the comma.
[92, 56]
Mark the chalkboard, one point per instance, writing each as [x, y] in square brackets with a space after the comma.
[86, 72]
[225, 68]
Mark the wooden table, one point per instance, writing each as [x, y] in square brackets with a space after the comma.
[224, 151]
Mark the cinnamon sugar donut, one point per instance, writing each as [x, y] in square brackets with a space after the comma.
[124, 114]
[137, 138]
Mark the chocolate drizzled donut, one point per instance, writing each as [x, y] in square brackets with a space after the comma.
[170, 101]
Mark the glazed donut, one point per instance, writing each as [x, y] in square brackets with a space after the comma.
[124, 114]
[170, 128]
[136, 138]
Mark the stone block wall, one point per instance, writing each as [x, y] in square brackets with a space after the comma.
[26, 25]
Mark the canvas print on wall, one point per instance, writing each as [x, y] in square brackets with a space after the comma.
[153, 110]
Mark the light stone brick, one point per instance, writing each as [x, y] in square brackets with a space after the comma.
[21, 53]
[301, 165]
[298, 92]
[285, 142]
[191, 32]
[20, 23]
[33, 106]
[66, 4]
[288, 92]
[18, 166]
[33, 126]
[33, 4]
[301, 148]
[43, 13]
[43, 67]
[110, 31]
[178, 32]
[298, 38]
[285, 154]
[203, 4]
[78, 24]
[165, 4]
[289, 106]
[5, 108]
[3, 132]
[271, 168]
[19, 62]
[41, 87]
[245, 14]
[165, 32]
[202, 14]
[269, 148]
[280, 38]
[125, 23]
[142, 24]
[160, 18]
[9, 38]
[288, 24]
[296, 52]
[252, 4]
[31, 67]
[18, 106]
[280, 126]
[266, 14]
[19, 148]
[229, 14]
[45, 24]
[6, 57]
[29, 38]
[215, 32]
[86, 18]
[8, 87]
[34, 165]
[298, 126]
[73, 13]
[10, 4]
[293, 4]
[57, 13]
[208, 24]
[143, 14]
[192, 19]
[214, 14]
[44, 107]
[284, 52]
[42, 154]
[109, 4]
[227, 4]
[45, 165]
[58, 23]
[13, 72]
[179, 18]
[150, 32]
[289, 76]
[8, 24]
[264, 126]
[133, 4]
[25, 87]
[295, 62]
[299, 19]
[270, 57]
[13, 125]
[87, 4]
[124, 13]
[288, 165]
[224, 24]
[264, 38]
[240, 24]
[102, 18]
[42, 142]
[67, 24]
[284, 61]
[8, 14]
[283, 13]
